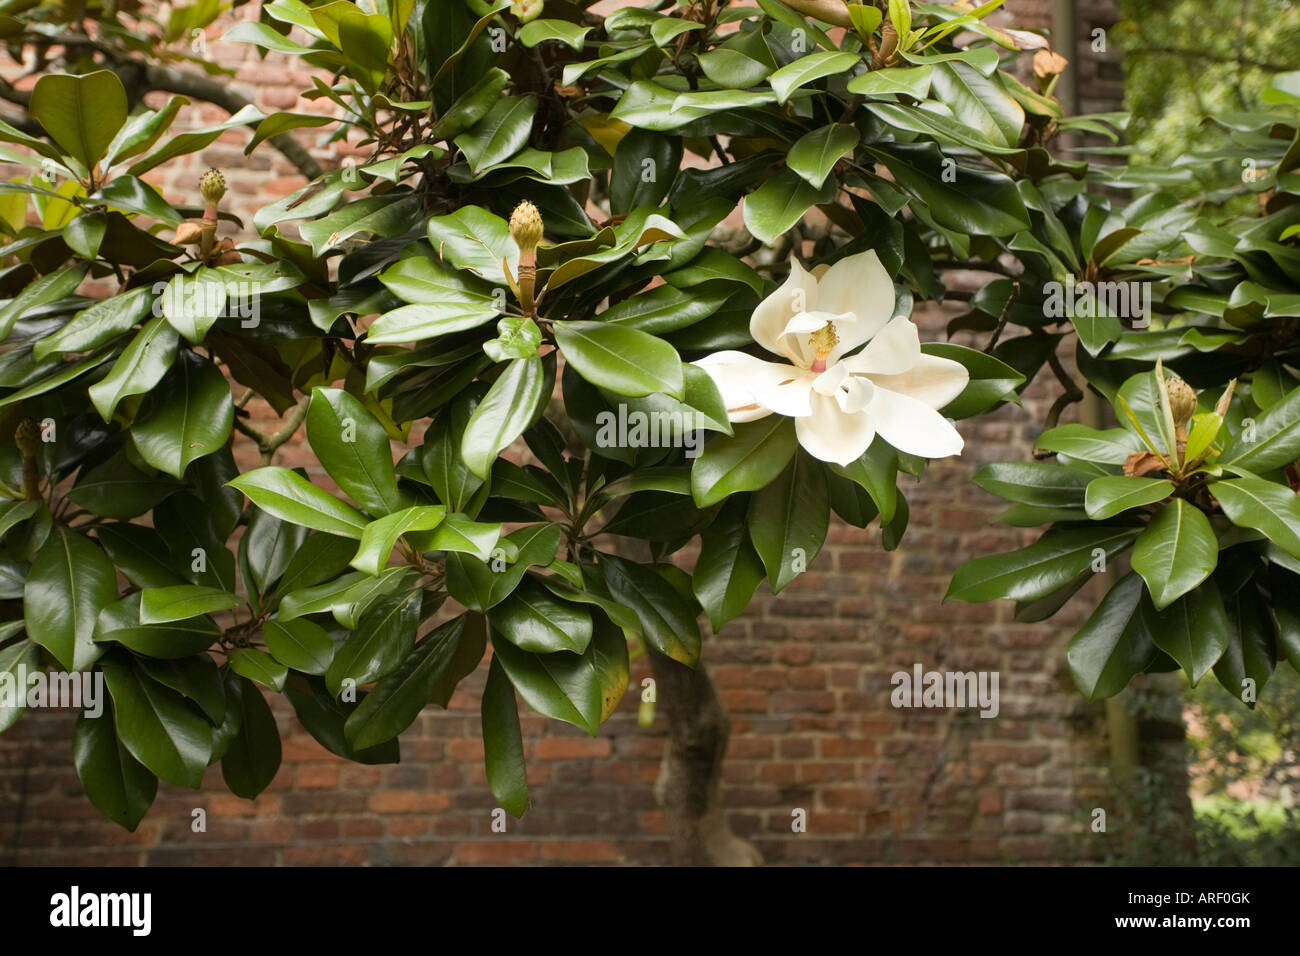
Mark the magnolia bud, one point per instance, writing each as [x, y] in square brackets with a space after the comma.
[212, 186]
[1182, 400]
[27, 436]
[526, 10]
[526, 227]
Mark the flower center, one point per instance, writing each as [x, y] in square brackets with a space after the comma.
[823, 342]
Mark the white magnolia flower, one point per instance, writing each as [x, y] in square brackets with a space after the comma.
[841, 402]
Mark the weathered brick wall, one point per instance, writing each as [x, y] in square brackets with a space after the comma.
[805, 677]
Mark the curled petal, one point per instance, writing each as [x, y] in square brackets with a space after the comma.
[857, 284]
[933, 380]
[751, 387]
[794, 338]
[912, 426]
[833, 435]
[851, 393]
[797, 294]
[894, 350]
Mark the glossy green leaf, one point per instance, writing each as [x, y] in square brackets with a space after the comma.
[506, 410]
[1193, 630]
[301, 644]
[81, 113]
[1263, 505]
[749, 459]
[1114, 645]
[380, 536]
[1107, 497]
[291, 497]
[1175, 552]
[1043, 568]
[115, 782]
[563, 686]
[70, 582]
[252, 758]
[189, 415]
[354, 448]
[624, 360]
[156, 725]
[788, 520]
[383, 637]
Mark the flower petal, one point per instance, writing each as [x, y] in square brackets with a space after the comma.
[912, 426]
[857, 284]
[893, 351]
[832, 434]
[852, 393]
[794, 338]
[751, 387]
[933, 380]
[797, 294]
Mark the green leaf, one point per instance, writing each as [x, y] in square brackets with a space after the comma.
[48, 288]
[17, 657]
[788, 520]
[1043, 568]
[1114, 645]
[177, 603]
[503, 742]
[508, 408]
[1273, 442]
[667, 620]
[772, 209]
[69, 583]
[380, 537]
[188, 416]
[477, 241]
[728, 570]
[1176, 552]
[458, 533]
[992, 381]
[354, 448]
[1034, 483]
[291, 497]
[569, 34]
[534, 620]
[271, 546]
[815, 154]
[252, 758]
[1251, 654]
[481, 586]
[398, 699]
[101, 322]
[115, 488]
[81, 113]
[913, 81]
[156, 724]
[138, 369]
[1193, 630]
[563, 686]
[1108, 496]
[517, 337]
[814, 66]
[747, 460]
[259, 666]
[120, 622]
[624, 360]
[324, 717]
[978, 102]
[382, 639]
[1263, 505]
[962, 198]
[115, 782]
[1109, 447]
[876, 472]
[500, 134]
[301, 644]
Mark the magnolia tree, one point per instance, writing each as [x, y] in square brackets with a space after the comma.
[532, 267]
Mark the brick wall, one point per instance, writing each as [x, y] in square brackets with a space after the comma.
[805, 677]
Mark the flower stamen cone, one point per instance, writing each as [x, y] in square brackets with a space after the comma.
[527, 229]
[823, 342]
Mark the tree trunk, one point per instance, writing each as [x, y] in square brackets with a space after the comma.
[690, 777]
